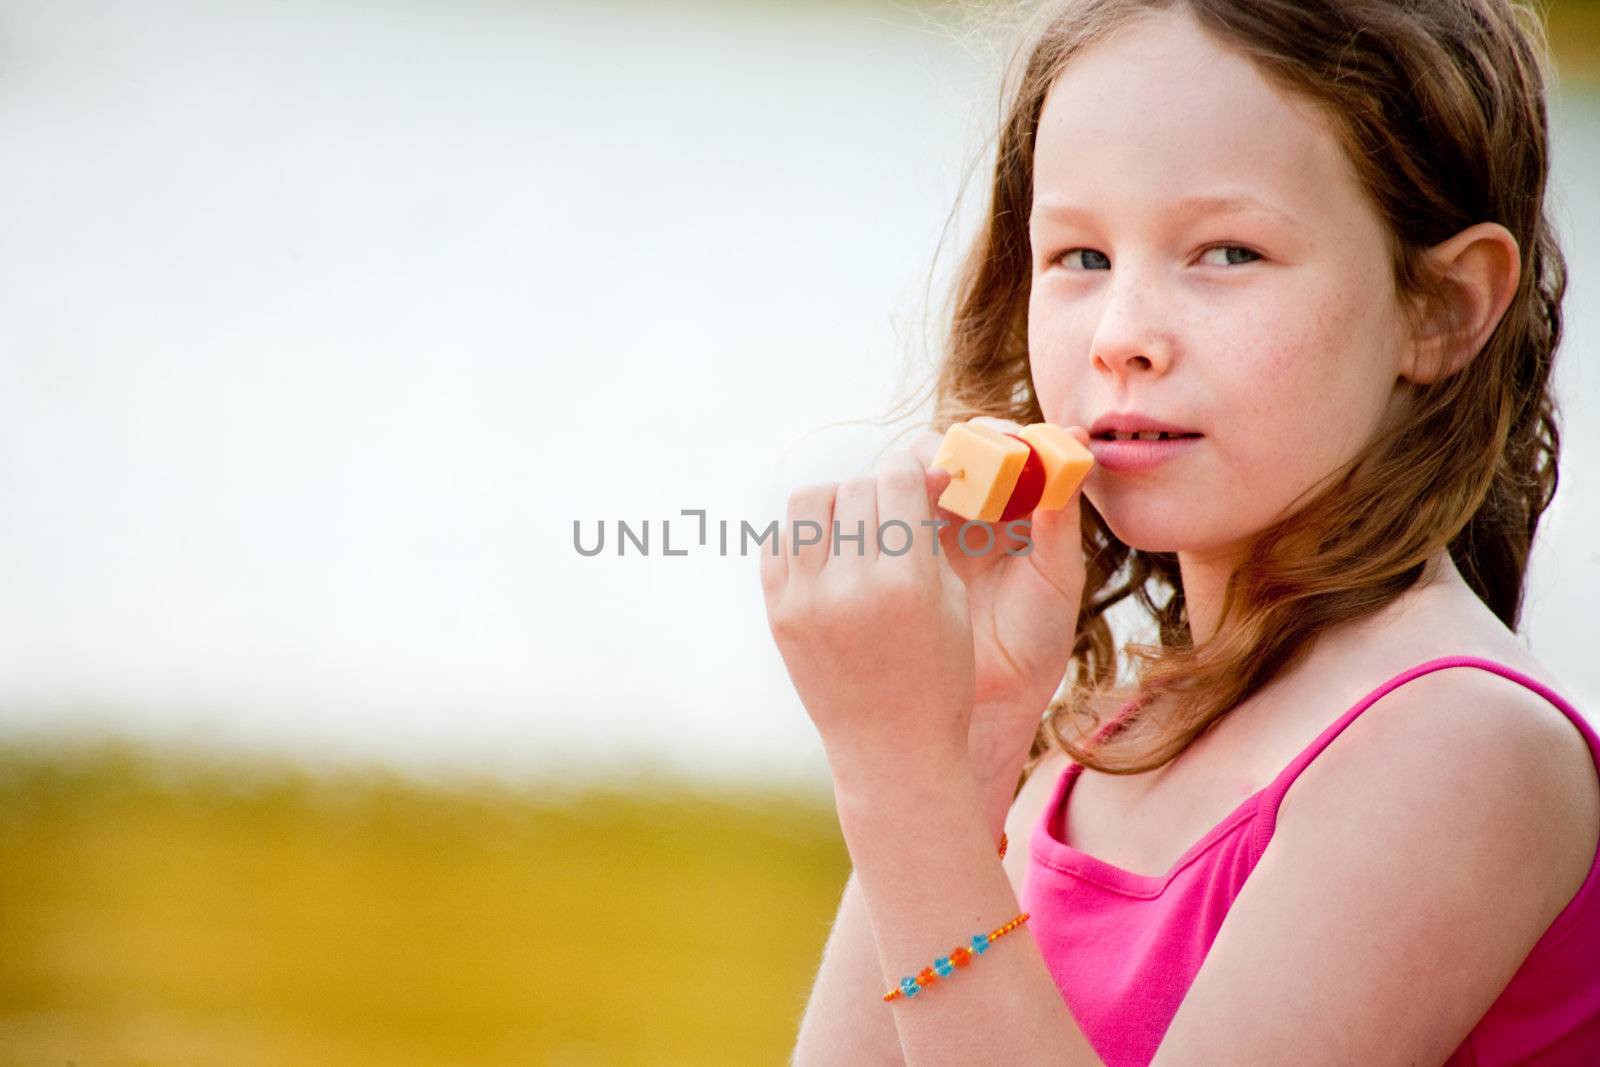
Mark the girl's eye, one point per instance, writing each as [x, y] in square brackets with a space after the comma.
[1094, 260]
[1229, 261]
[1089, 264]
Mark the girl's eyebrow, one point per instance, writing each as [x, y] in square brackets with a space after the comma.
[1197, 204]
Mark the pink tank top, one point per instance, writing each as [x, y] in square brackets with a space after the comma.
[1123, 947]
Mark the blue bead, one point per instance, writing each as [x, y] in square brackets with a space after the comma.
[980, 943]
[909, 987]
[943, 966]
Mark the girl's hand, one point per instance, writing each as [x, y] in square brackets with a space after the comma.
[1024, 612]
[878, 641]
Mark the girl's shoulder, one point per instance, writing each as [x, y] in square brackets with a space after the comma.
[1459, 692]
[1471, 752]
[1474, 717]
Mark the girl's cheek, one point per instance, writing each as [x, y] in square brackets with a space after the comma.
[1062, 399]
[1059, 364]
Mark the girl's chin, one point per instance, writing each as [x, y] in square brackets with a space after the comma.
[1149, 539]
[1152, 532]
[1163, 539]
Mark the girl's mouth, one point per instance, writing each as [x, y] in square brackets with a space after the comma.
[1127, 453]
[1148, 435]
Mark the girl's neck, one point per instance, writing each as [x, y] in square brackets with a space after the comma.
[1205, 576]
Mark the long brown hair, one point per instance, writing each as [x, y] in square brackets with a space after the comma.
[1440, 105]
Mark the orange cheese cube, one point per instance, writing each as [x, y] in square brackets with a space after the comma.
[983, 465]
[1066, 462]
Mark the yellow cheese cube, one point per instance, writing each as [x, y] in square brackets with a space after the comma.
[983, 466]
[1066, 462]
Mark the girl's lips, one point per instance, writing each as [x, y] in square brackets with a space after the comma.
[1130, 456]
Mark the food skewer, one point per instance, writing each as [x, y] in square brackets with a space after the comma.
[997, 477]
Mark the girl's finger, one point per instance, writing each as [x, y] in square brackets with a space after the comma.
[855, 513]
[906, 490]
[925, 446]
[937, 480]
[810, 525]
[774, 566]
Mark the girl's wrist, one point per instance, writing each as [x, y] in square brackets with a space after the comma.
[901, 795]
[997, 762]
[1001, 735]
[867, 776]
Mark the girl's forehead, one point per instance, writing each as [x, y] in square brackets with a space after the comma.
[1161, 107]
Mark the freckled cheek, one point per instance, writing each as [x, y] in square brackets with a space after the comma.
[1319, 374]
[1292, 423]
[1260, 391]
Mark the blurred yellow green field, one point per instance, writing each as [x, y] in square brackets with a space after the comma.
[170, 910]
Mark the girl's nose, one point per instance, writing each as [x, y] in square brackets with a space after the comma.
[1132, 337]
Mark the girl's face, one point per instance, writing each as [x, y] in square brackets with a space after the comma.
[1271, 327]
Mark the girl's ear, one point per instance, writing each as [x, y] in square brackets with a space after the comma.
[1480, 268]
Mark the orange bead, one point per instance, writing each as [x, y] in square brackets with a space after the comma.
[927, 976]
[961, 956]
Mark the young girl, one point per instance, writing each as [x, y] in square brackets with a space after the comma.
[1343, 816]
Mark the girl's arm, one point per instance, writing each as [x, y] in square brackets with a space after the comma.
[845, 1021]
[930, 879]
[924, 682]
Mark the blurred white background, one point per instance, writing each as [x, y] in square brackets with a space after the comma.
[321, 322]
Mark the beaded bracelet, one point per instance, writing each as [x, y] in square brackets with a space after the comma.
[959, 956]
